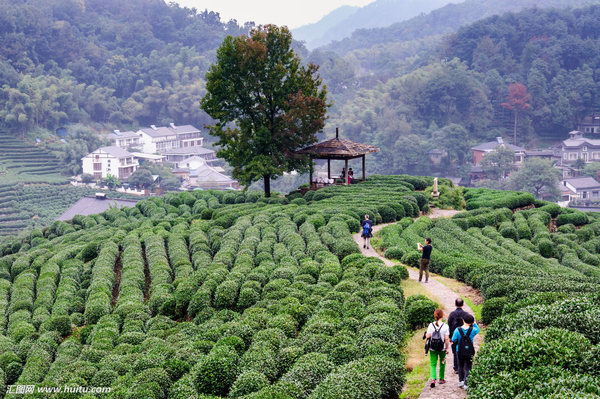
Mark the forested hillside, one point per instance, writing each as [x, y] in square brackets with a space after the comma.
[404, 89]
[378, 14]
[124, 62]
[444, 20]
[451, 97]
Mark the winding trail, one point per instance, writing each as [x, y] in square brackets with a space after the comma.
[446, 296]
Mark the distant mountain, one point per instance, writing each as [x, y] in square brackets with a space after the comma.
[311, 32]
[341, 22]
[444, 20]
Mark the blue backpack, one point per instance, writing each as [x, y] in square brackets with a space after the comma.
[367, 228]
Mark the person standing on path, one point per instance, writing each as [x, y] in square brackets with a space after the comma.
[439, 346]
[464, 337]
[455, 320]
[350, 175]
[366, 231]
[425, 259]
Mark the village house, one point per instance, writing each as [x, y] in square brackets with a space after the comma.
[435, 156]
[192, 162]
[127, 139]
[206, 176]
[481, 150]
[111, 160]
[163, 139]
[176, 155]
[590, 124]
[580, 188]
[577, 146]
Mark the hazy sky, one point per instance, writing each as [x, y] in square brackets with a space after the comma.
[280, 12]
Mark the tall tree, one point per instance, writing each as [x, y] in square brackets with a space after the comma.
[536, 176]
[498, 163]
[518, 100]
[277, 105]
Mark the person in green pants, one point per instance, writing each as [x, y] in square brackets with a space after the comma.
[438, 333]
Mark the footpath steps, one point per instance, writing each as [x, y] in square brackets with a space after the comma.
[446, 296]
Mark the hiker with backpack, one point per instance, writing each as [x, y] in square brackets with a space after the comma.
[438, 334]
[425, 258]
[366, 231]
[455, 320]
[464, 337]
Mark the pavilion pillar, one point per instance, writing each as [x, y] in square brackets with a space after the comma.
[328, 168]
[346, 175]
[310, 173]
[364, 172]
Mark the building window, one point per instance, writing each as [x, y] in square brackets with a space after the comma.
[565, 155]
[97, 157]
[584, 148]
[594, 194]
[573, 156]
[97, 166]
[98, 175]
[595, 155]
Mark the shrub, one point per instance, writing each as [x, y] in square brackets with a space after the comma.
[248, 382]
[507, 230]
[308, 371]
[370, 377]
[60, 324]
[391, 275]
[419, 312]
[577, 218]
[216, 372]
[388, 214]
[546, 248]
[492, 309]
[524, 349]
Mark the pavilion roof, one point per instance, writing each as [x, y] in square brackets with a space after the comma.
[337, 148]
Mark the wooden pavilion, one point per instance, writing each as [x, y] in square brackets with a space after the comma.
[338, 149]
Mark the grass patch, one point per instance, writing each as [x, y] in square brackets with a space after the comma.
[417, 365]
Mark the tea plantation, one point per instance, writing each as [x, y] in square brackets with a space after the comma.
[28, 206]
[23, 162]
[539, 272]
[211, 294]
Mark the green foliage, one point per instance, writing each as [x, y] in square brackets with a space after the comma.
[297, 105]
[216, 373]
[419, 310]
[492, 309]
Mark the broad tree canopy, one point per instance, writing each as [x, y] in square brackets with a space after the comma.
[277, 105]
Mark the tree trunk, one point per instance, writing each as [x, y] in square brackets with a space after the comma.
[516, 113]
[267, 180]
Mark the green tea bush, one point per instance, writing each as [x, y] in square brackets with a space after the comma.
[544, 348]
[248, 382]
[419, 310]
[492, 309]
[216, 373]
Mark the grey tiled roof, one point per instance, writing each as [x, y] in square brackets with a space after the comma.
[190, 151]
[583, 182]
[116, 151]
[90, 205]
[493, 144]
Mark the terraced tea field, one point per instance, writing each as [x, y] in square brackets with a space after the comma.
[23, 162]
[28, 206]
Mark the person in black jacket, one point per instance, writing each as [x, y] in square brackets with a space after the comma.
[455, 320]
